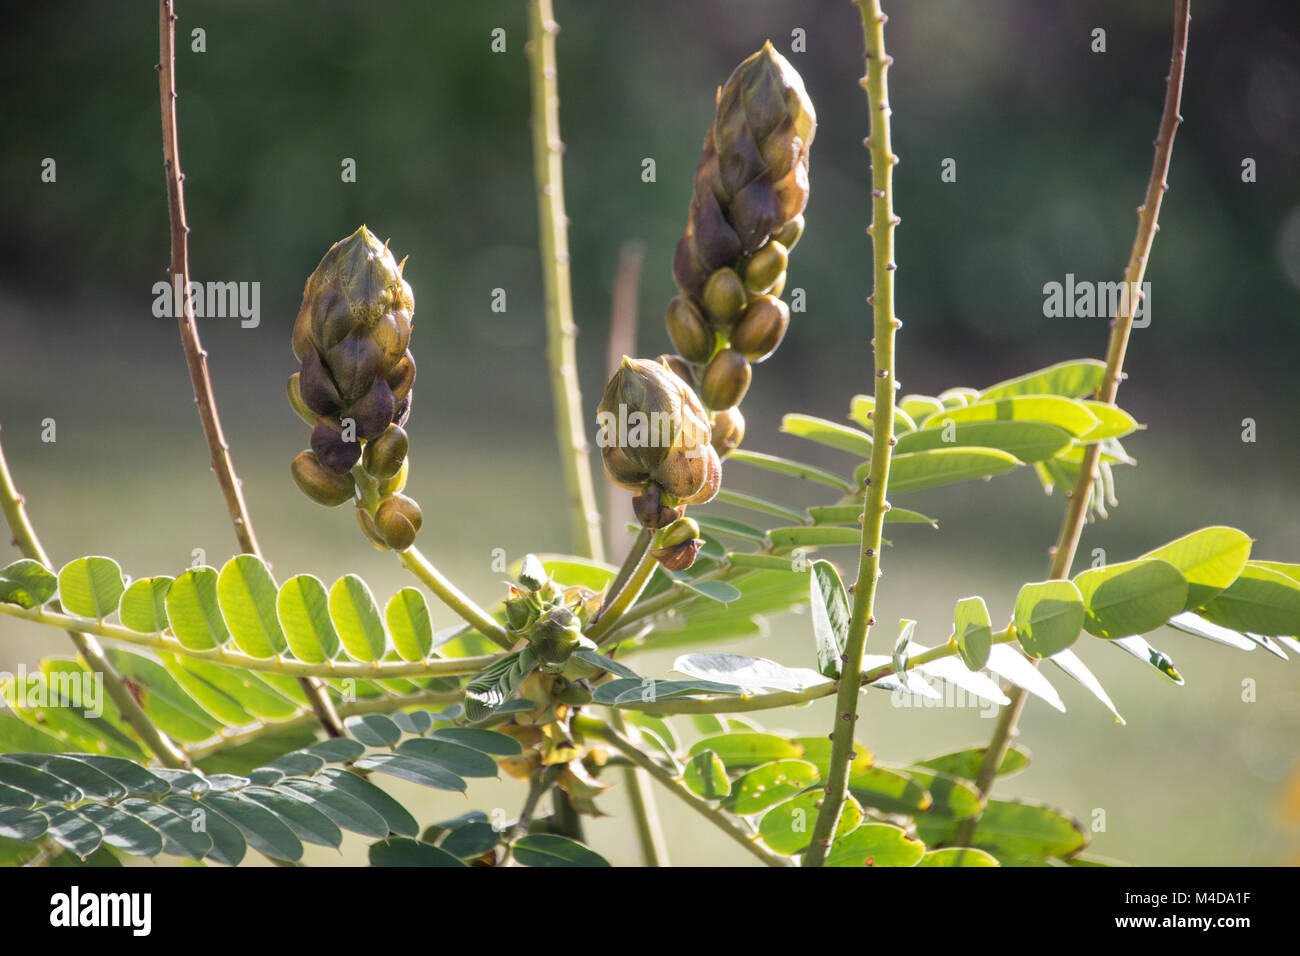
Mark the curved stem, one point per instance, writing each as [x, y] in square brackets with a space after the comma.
[637, 580]
[886, 325]
[631, 561]
[602, 731]
[450, 595]
[1121, 329]
[561, 330]
[196, 356]
[167, 752]
[163, 641]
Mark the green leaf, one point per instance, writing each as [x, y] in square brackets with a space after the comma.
[1070, 662]
[1210, 559]
[144, 605]
[1071, 415]
[942, 466]
[794, 469]
[356, 616]
[739, 751]
[571, 571]
[374, 730]
[727, 497]
[1147, 654]
[1027, 441]
[750, 674]
[296, 811]
[719, 591]
[729, 528]
[958, 856]
[193, 611]
[817, 536]
[415, 769]
[122, 831]
[303, 609]
[91, 587]
[890, 791]
[1048, 617]
[1073, 379]
[93, 783]
[973, 632]
[264, 831]
[823, 432]
[1028, 829]
[1133, 597]
[21, 825]
[906, 629]
[496, 684]
[408, 621]
[547, 849]
[395, 816]
[966, 763]
[817, 751]
[1261, 600]
[246, 593]
[27, 583]
[73, 832]
[863, 407]
[830, 616]
[876, 844]
[951, 796]
[458, 759]
[767, 562]
[768, 784]
[226, 690]
[398, 851]
[18, 736]
[347, 812]
[164, 701]
[1114, 422]
[787, 827]
[705, 776]
[487, 741]
[45, 787]
[920, 407]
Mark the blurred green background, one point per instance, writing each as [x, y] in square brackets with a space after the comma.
[1052, 144]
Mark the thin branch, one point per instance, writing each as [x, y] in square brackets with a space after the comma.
[196, 356]
[622, 341]
[561, 330]
[886, 325]
[602, 731]
[1121, 329]
[15, 512]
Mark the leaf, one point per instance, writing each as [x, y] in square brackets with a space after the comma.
[73, 832]
[725, 496]
[532, 573]
[246, 593]
[706, 777]
[1210, 559]
[303, 609]
[45, 787]
[572, 571]
[967, 763]
[346, 811]
[767, 562]
[399, 851]
[21, 825]
[123, 831]
[415, 769]
[164, 701]
[1190, 623]
[1027, 441]
[408, 621]
[875, 844]
[1010, 664]
[1144, 652]
[193, 612]
[91, 587]
[93, 783]
[547, 849]
[374, 730]
[953, 671]
[818, 536]
[487, 741]
[794, 469]
[719, 591]
[1073, 379]
[18, 736]
[823, 432]
[355, 614]
[396, 817]
[27, 583]
[740, 751]
[942, 466]
[1048, 617]
[732, 529]
[264, 831]
[830, 616]
[1132, 597]
[1028, 829]
[457, 758]
[1069, 662]
[920, 407]
[890, 791]
[1261, 600]
[973, 631]
[296, 811]
[906, 629]
[958, 856]
[144, 605]
[1069, 414]
[787, 827]
[817, 751]
[768, 784]
[1114, 422]
[863, 407]
[496, 684]
[750, 674]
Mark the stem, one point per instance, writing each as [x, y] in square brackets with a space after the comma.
[450, 595]
[886, 325]
[640, 576]
[602, 731]
[632, 562]
[12, 504]
[1121, 329]
[649, 831]
[561, 330]
[196, 356]
[163, 641]
[622, 341]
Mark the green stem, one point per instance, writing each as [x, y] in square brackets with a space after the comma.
[1121, 329]
[649, 831]
[635, 555]
[163, 641]
[886, 325]
[561, 330]
[11, 503]
[591, 727]
[196, 356]
[610, 616]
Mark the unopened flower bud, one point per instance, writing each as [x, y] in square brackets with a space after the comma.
[554, 638]
[398, 519]
[678, 545]
[689, 331]
[726, 379]
[761, 329]
[652, 511]
[320, 484]
[293, 392]
[724, 298]
[679, 367]
[728, 430]
[398, 481]
[766, 267]
[790, 234]
[334, 452]
[384, 457]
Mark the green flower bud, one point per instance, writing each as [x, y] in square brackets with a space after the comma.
[532, 573]
[521, 609]
[334, 452]
[679, 367]
[779, 285]
[789, 234]
[724, 298]
[320, 484]
[554, 638]
[652, 511]
[690, 333]
[761, 329]
[370, 531]
[728, 430]
[726, 379]
[575, 695]
[395, 484]
[398, 519]
[293, 392]
[384, 457]
[767, 265]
